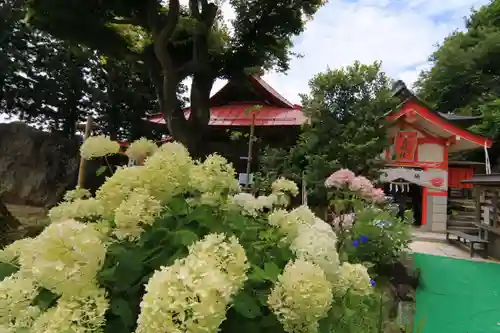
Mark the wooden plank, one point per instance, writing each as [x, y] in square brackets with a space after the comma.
[488, 228]
[470, 238]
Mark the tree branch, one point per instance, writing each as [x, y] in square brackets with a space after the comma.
[194, 7]
[172, 20]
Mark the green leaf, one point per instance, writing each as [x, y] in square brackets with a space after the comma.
[236, 222]
[45, 299]
[270, 321]
[246, 305]
[262, 296]
[121, 308]
[257, 274]
[180, 253]
[271, 271]
[126, 272]
[101, 170]
[107, 275]
[185, 237]
[7, 269]
[178, 206]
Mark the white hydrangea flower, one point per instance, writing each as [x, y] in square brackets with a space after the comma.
[139, 209]
[140, 150]
[98, 146]
[301, 297]
[77, 209]
[353, 278]
[317, 244]
[303, 215]
[192, 294]
[79, 314]
[214, 175]
[285, 222]
[266, 201]
[285, 186]
[17, 293]
[65, 257]
[247, 202]
[12, 251]
[77, 193]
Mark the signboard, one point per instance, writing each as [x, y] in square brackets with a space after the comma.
[433, 179]
[405, 146]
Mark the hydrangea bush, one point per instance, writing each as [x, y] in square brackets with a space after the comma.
[368, 227]
[173, 245]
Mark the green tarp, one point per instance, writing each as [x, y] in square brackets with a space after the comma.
[457, 296]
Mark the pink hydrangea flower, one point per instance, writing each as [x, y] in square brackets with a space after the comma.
[345, 220]
[361, 184]
[340, 178]
[378, 195]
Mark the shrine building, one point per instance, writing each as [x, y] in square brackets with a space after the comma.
[418, 161]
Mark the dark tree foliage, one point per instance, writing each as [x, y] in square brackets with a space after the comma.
[53, 84]
[465, 74]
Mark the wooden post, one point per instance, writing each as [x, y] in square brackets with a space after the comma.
[81, 169]
[304, 189]
[250, 147]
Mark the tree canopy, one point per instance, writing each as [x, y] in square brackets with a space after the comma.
[347, 128]
[174, 42]
[465, 72]
[53, 83]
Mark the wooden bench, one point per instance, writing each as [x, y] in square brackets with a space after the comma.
[464, 238]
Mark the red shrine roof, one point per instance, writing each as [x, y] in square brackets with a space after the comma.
[276, 110]
[415, 111]
[234, 115]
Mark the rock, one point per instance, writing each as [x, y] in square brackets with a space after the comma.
[8, 224]
[36, 167]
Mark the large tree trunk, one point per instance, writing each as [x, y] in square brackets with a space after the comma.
[8, 224]
[190, 131]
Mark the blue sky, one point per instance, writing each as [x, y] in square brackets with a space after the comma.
[400, 33]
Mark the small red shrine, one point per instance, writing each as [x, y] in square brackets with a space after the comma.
[422, 139]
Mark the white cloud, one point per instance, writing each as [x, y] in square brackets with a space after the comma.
[400, 33]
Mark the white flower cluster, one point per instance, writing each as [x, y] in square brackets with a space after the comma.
[133, 196]
[65, 259]
[140, 149]
[192, 295]
[98, 146]
[314, 243]
[301, 297]
[282, 185]
[137, 210]
[353, 278]
[253, 206]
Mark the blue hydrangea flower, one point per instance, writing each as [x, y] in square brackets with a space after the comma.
[363, 239]
[355, 243]
[373, 283]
